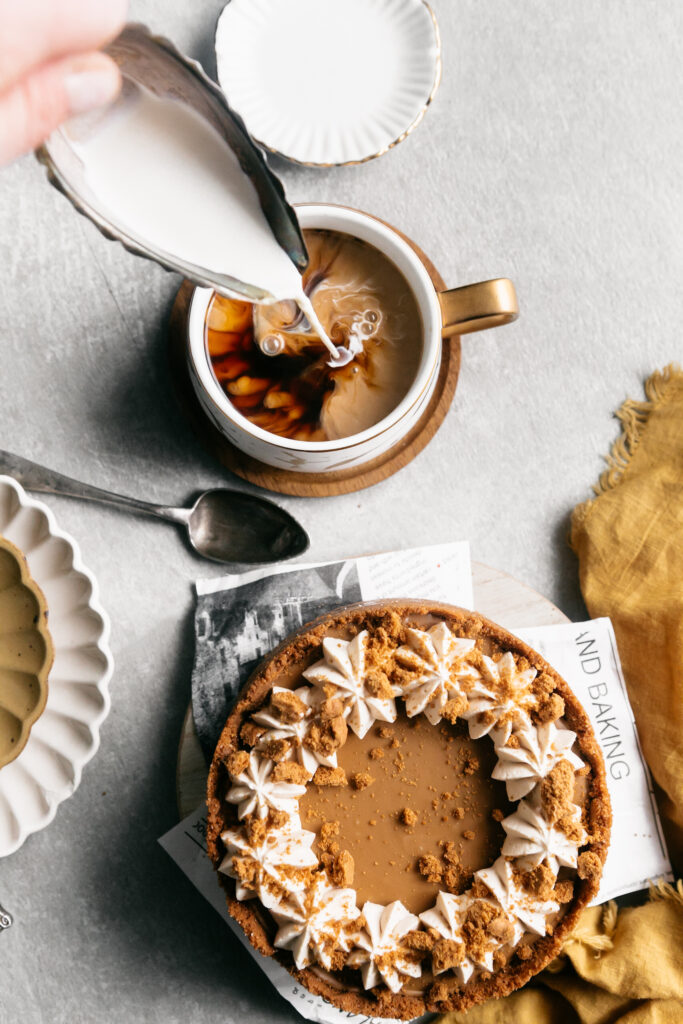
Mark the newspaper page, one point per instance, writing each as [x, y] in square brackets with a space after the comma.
[585, 654]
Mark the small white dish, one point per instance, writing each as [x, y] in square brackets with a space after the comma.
[328, 82]
[66, 735]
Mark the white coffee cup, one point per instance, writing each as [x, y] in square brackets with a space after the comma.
[457, 311]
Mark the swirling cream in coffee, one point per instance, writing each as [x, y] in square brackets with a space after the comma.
[276, 371]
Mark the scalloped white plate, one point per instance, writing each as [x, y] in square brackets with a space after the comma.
[66, 736]
[328, 82]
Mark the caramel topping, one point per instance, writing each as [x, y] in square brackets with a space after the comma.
[429, 779]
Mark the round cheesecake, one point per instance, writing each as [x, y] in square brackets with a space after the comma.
[408, 809]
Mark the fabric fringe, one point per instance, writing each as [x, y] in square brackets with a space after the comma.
[659, 890]
[633, 416]
[662, 890]
[581, 934]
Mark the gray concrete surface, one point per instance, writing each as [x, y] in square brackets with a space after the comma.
[553, 155]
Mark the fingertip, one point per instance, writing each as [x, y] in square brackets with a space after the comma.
[90, 81]
[37, 106]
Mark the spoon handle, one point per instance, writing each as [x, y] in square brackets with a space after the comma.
[39, 478]
[5, 918]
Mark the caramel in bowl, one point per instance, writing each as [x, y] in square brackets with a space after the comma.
[26, 652]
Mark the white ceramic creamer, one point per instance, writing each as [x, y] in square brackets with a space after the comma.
[170, 178]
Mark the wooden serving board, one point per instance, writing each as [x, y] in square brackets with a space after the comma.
[500, 597]
[311, 485]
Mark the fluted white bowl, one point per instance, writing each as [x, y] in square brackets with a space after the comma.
[66, 735]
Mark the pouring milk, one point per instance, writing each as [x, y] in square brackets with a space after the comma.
[168, 177]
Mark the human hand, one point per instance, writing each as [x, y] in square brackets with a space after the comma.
[50, 69]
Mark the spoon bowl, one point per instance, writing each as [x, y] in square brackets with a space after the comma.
[230, 526]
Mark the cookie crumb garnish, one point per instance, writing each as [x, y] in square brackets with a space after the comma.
[289, 707]
[250, 733]
[430, 868]
[237, 762]
[447, 954]
[407, 816]
[361, 780]
[589, 866]
[290, 771]
[326, 776]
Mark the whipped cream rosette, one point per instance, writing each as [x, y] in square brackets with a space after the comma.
[447, 918]
[315, 924]
[254, 791]
[343, 669]
[378, 950]
[436, 662]
[296, 891]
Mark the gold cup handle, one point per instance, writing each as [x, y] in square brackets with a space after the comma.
[476, 307]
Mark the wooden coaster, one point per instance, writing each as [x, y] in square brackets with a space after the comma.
[310, 485]
[500, 597]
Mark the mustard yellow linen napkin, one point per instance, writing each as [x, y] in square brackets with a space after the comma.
[629, 540]
[626, 966]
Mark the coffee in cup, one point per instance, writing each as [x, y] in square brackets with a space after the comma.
[276, 371]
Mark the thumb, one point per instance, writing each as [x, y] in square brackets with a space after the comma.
[34, 107]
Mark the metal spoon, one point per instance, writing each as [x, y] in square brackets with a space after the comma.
[226, 526]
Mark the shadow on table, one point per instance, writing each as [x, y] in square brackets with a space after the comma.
[567, 594]
[161, 935]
